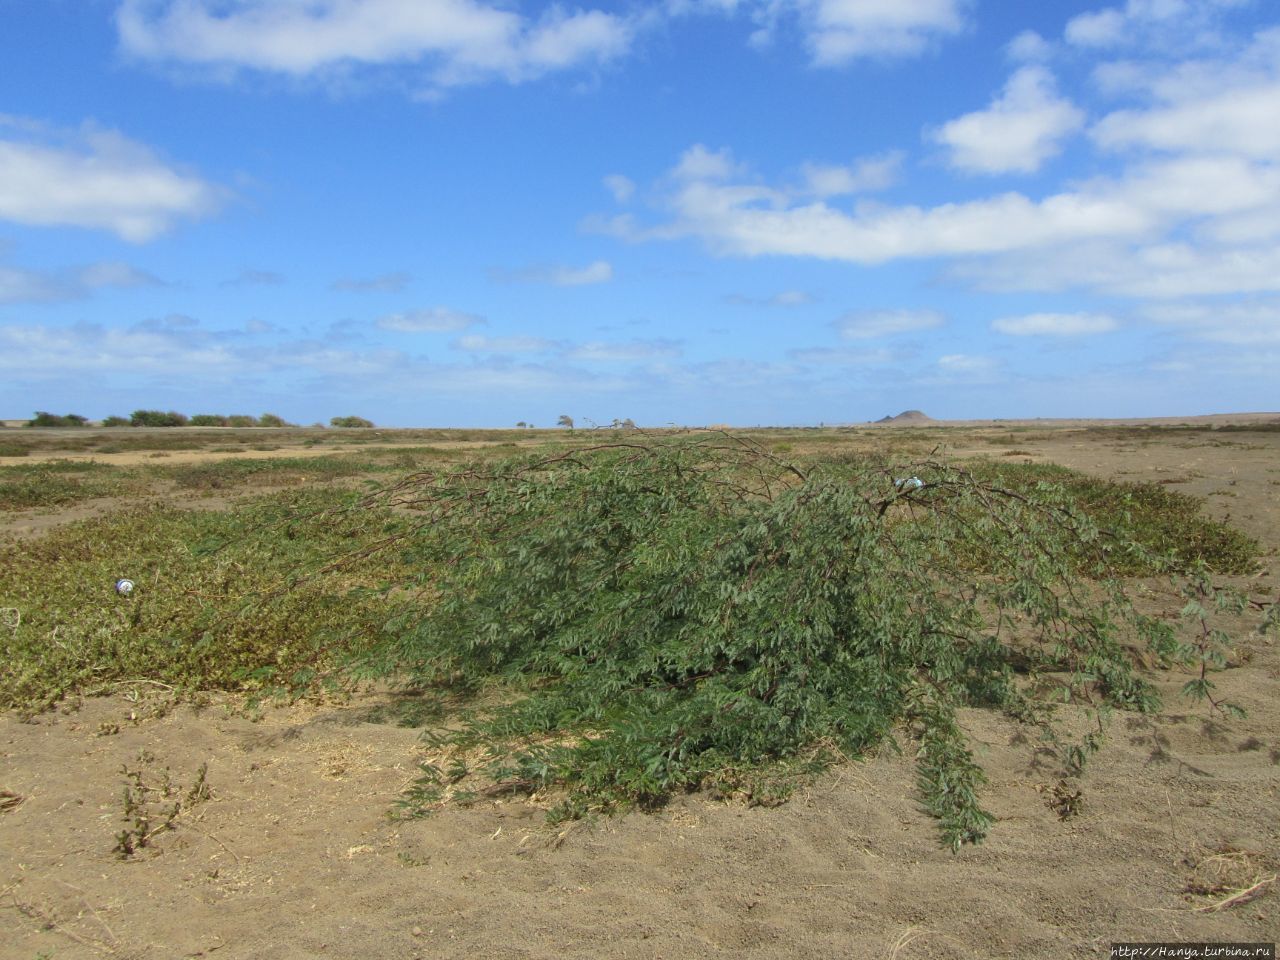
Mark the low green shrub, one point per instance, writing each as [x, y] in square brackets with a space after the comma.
[663, 616]
[45, 419]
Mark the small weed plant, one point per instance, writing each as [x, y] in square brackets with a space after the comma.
[646, 616]
[151, 806]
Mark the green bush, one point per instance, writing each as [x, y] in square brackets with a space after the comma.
[350, 422]
[157, 418]
[271, 420]
[44, 419]
[208, 420]
[665, 616]
[241, 420]
[114, 421]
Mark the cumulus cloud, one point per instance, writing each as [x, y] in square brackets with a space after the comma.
[96, 179]
[254, 278]
[735, 214]
[622, 188]
[965, 367]
[431, 320]
[862, 176]
[35, 286]
[1054, 324]
[90, 348]
[1018, 132]
[784, 298]
[844, 357]
[874, 324]
[629, 351]
[600, 271]
[1162, 271]
[1163, 26]
[1101, 28]
[1029, 47]
[455, 41]
[475, 343]
[1239, 120]
[385, 283]
[1244, 323]
[840, 31]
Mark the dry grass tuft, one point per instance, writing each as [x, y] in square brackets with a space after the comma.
[1231, 875]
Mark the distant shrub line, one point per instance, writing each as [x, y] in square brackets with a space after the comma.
[172, 418]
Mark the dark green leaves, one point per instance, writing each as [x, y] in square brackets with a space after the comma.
[663, 616]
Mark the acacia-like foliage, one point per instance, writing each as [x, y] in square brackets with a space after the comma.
[664, 614]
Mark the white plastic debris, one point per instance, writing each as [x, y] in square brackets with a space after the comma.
[909, 483]
[124, 587]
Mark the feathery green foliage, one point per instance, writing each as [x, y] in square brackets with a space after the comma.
[663, 615]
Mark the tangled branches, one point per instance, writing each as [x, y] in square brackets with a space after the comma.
[663, 615]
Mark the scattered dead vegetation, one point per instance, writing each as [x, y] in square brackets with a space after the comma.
[1229, 875]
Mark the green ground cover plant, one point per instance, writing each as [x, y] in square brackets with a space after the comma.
[57, 483]
[244, 599]
[644, 617]
[281, 471]
[1165, 521]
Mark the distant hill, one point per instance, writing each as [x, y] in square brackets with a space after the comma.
[908, 416]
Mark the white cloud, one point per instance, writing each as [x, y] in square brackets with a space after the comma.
[874, 324]
[29, 286]
[1018, 132]
[1244, 323]
[474, 343]
[1103, 28]
[384, 283]
[698, 163]
[1239, 120]
[863, 176]
[630, 351]
[601, 271]
[33, 286]
[1054, 324]
[250, 277]
[1028, 47]
[94, 178]
[968, 367]
[790, 298]
[843, 356]
[735, 215]
[1162, 271]
[460, 41]
[622, 188]
[432, 320]
[785, 298]
[38, 350]
[843, 30]
[1160, 23]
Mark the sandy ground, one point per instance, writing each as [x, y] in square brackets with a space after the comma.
[294, 855]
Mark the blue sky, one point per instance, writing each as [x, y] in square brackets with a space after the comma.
[473, 213]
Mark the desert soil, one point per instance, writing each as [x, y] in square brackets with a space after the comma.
[294, 855]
